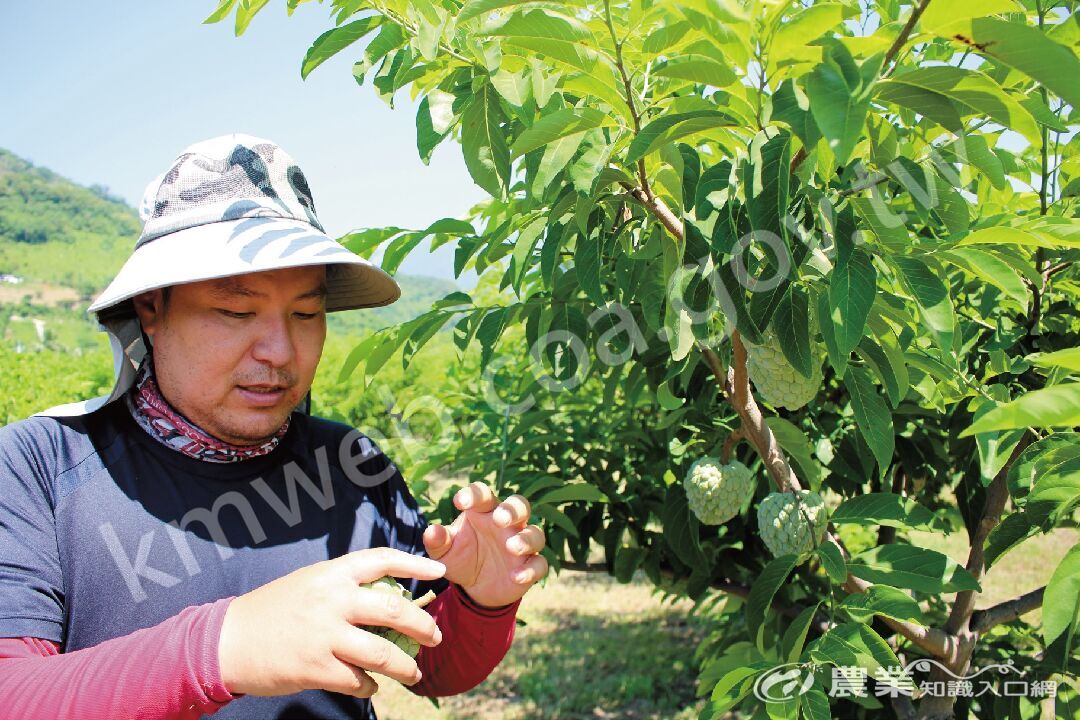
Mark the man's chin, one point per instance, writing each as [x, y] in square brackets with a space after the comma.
[252, 427]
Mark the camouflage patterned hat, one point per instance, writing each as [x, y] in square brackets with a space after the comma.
[231, 205]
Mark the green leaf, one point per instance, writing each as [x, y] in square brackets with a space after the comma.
[681, 527]
[1039, 459]
[1030, 51]
[832, 649]
[882, 508]
[1056, 406]
[1009, 533]
[833, 562]
[837, 359]
[935, 106]
[890, 369]
[767, 182]
[913, 568]
[335, 40]
[794, 442]
[763, 590]
[558, 124]
[852, 287]
[872, 416]
[476, 8]
[885, 601]
[1025, 237]
[939, 17]
[872, 650]
[434, 118]
[979, 155]
[1055, 495]
[838, 109]
[1061, 602]
[577, 492]
[932, 297]
[791, 646]
[736, 685]
[1068, 359]
[587, 261]
[815, 705]
[222, 12]
[491, 328]
[669, 128]
[557, 36]
[804, 26]
[483, 144]
[698, 69]
[245, 13]
[973, 93]
[991, 270]
[791, 321]
[516, 88]
[627, 561]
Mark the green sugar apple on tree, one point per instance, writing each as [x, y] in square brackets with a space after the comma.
[388, 584]
[792, 523]
[716, 491]
[777, 381]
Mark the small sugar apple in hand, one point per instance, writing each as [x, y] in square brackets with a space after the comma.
[716, 491]
[792, 523]
[387, 584]
[778, 382]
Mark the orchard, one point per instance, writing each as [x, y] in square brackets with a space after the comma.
[764, 288]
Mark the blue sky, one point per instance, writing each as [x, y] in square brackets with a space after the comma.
[112, 96]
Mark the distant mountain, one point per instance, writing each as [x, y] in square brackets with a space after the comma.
[61, 243]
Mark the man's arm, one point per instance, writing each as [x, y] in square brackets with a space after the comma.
[166, 672]
[475, 640]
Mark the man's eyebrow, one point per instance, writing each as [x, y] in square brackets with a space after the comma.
[318, 291]
[226, 289]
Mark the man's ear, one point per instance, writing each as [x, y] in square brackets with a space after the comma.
[149, 307]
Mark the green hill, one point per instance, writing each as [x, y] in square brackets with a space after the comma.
[61, 243]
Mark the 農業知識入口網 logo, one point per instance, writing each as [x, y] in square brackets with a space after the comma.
[784, 683]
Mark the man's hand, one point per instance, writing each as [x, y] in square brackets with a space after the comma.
[299, 631]
[489, 550]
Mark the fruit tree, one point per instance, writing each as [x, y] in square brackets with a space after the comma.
[766, 288]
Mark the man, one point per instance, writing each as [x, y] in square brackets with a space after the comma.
[193, 545]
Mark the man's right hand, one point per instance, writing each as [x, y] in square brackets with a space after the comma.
[299, 631]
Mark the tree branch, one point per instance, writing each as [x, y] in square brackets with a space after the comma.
[737, 384]
[996, 497]
[729, 444]
[902, 38]
[983, 620]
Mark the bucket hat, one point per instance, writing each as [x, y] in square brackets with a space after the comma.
[231, 205]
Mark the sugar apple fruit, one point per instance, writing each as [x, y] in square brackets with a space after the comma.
[716, 491]
[792, 524]
[778, 382]
[388, 584]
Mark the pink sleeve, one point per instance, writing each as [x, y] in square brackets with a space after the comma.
[27, 648]
[166, 672]
[475, 640]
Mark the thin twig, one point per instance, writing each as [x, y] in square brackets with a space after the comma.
[902, 38]
[729, 444]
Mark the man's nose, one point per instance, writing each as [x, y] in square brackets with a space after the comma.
[274, 345]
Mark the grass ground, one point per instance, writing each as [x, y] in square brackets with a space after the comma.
[593, 648]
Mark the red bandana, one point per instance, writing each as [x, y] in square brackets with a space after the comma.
[166, 425]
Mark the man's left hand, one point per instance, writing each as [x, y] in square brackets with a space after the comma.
[489, 550]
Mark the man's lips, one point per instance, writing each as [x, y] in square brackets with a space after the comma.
[262, 395]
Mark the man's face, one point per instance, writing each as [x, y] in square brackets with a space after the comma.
[237, 355]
